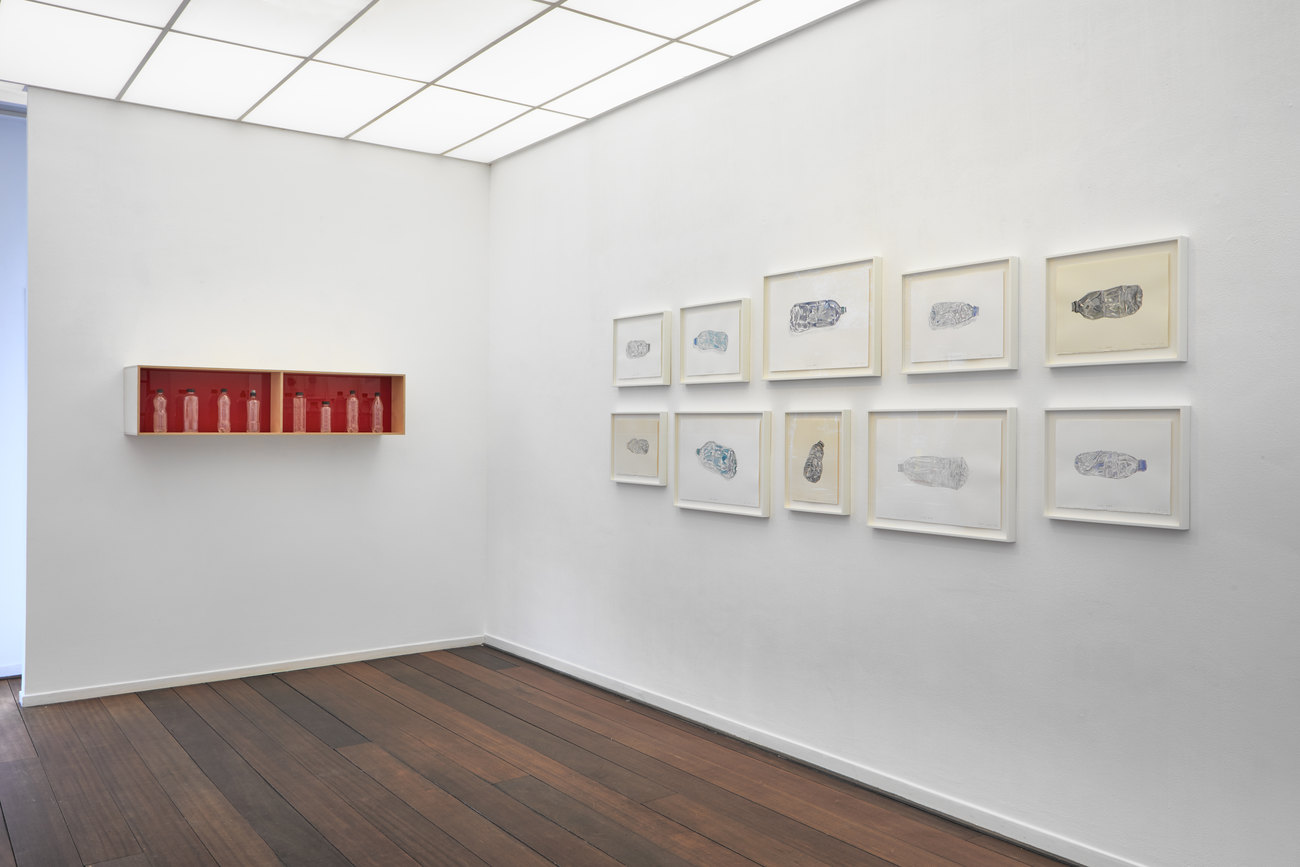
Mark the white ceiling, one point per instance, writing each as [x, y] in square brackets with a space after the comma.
[473, 79]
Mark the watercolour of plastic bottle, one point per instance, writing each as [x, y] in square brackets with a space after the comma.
[354, 412]
[1108, 464]
[718, 458]
[325, 412]
[160, 412]
[815, 314]
[952, 314]
[254, 412]
[223, 412]
[1113, 303]
[936, 472]
[191, 411]
[377, 415]
[812, 468]
[299, 413]
[711, 341]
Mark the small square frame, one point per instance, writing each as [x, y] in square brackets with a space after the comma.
[795, 464]
[737, 312]
[1180, 499]
[1008, 324]
[1059, 302]
[1006, 529]
[864, 295]
[662, 449]
[656, 325]
[684, 450]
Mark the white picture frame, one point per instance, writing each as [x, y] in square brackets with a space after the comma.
[961, 318]
[818, 462]
[1119, 466]
[714, 342]
[1118, 305]
[722, 462]
[638, 448]
[945, 472]
[822, 322]
[643, 349]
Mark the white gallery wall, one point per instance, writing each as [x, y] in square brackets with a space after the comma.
[159, 238]
[1116, 695]
[13, 389]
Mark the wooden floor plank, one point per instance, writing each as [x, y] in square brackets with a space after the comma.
[225, 833]
[483, 656]
[37, 832]
[328, 728]
[6, 851]
[758, 847]
[14, 740]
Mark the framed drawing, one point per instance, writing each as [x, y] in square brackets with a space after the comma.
[643, 350]
[1120, 305]
[961, 318]
[950, 472]
[715, 342]
[823, 322]
[638, 453]
[721, 462]
[818, 448]
[1119, 466]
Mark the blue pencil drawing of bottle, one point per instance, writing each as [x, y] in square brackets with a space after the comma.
[1113, 303]
[711, 341]
[815, 314]
[936, 472]
[718, 458]
[1108, 464]
[952, 314]
[638, 446]
[812, 468]
[637, 348]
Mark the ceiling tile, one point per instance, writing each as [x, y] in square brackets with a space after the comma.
[187, 73]
[63, 50]
[425, 38]
[438, 119]
[154, 12]
[670, 63]
[670, 18]
[330, 100]
[763, 22]
[532, 127]
[293, 26]
[555, 53]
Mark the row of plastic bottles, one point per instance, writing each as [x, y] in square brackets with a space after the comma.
[190, 413]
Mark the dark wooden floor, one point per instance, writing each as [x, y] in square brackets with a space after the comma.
[459, 757]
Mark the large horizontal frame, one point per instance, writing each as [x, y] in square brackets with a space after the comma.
[763, 419]
[1009, 360]
[1180, 494]
[664, 451]
[845, 505]
[872, 367]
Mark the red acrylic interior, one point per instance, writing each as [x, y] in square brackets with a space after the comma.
[207, 384]
[318, 387]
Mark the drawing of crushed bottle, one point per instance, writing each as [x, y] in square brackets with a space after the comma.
[1113, 303]
[815, 314]
[936, 472]
[711, 341]
[637, 348]
[1108, 464]
[952, 314]
[812, 468]
[717, 458]
[638, 446]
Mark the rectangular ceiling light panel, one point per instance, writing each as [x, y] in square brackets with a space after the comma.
[422, 39]
[762, 22]
[187, 73]
[671, 18]
[330, 100]
[64, 50]
[153, 12]
[292, 26]
[670, 63]
[555, 53]
[438, 119]
[532, 127]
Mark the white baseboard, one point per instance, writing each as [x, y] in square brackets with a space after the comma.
[905, 790]
[34, 699]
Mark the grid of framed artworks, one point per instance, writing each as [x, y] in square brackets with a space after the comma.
[950, 471]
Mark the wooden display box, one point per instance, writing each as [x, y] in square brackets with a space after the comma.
[275, 392]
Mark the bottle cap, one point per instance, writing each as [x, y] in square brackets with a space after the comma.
[324, 403]
[252, 392]
[160, 391]
[299, 393]
[352, 391]
[189, 391]
[223, 391]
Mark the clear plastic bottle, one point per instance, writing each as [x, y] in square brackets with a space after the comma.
[354, 412]
[160, 412]
[325, 412]
[254, 412]
[377, 415]
[299, 413]
[223, 412]
[191, 407]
